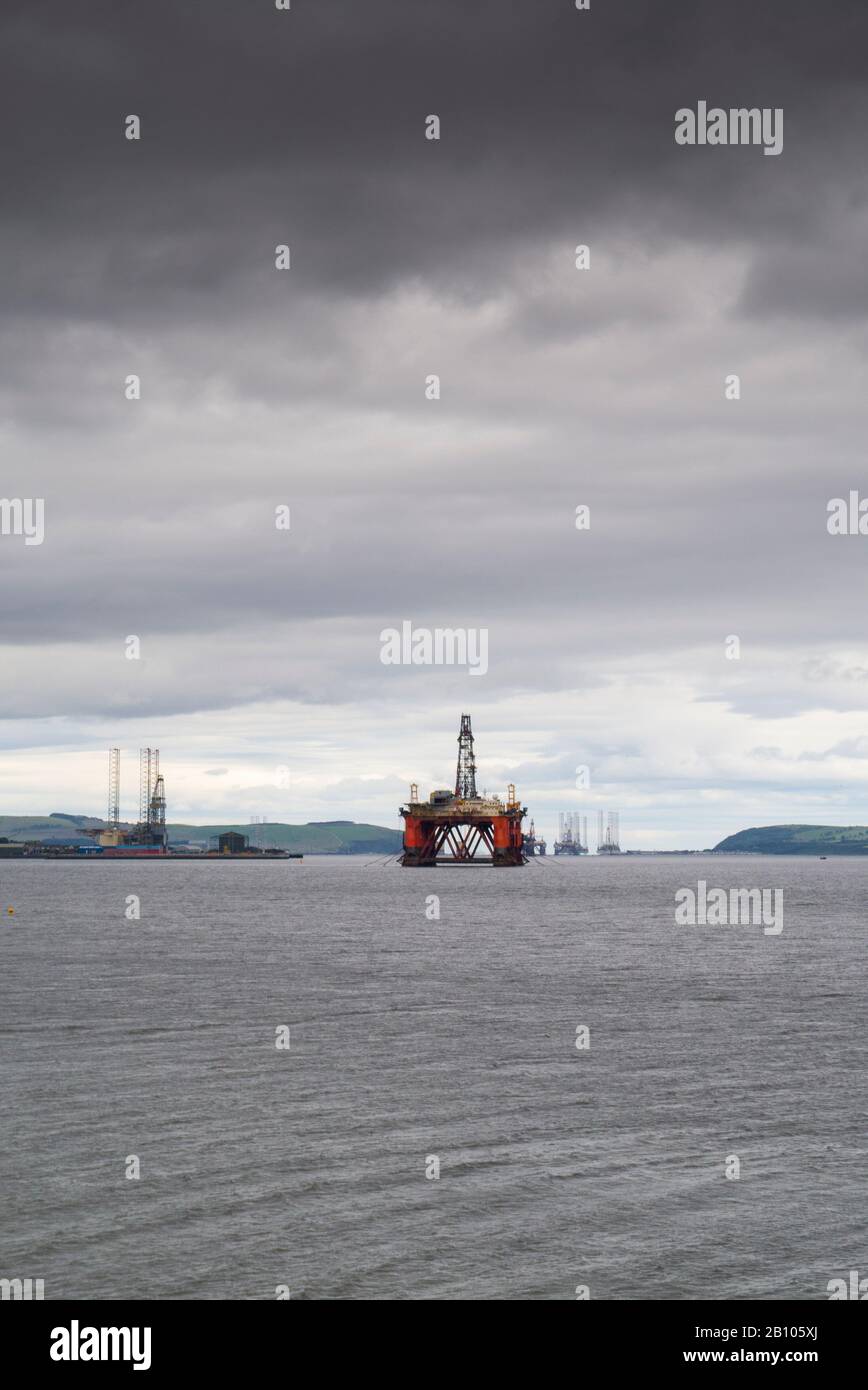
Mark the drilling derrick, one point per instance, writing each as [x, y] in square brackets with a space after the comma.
[459, 827]
[151, 829]
[157, 811]
[465, 778]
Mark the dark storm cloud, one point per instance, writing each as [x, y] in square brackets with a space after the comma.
[262, 126]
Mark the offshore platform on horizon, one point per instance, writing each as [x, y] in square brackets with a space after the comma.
[533, 843]
[572, 833]
[609, 839]
[462, 827]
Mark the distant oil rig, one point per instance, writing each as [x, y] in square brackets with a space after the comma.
[149, 838]
[572, 833]
[462, 827]
[149, 835]
[609, 840]
[533, 843]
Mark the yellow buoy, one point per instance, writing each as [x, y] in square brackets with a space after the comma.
[11, 911]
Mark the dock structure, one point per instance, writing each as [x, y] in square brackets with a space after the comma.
[462, 827]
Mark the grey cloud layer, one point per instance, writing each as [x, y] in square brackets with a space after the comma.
[411, 257]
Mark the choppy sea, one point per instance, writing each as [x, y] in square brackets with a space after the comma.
[420, 1043]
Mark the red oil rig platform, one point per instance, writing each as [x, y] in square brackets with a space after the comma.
[462, 827]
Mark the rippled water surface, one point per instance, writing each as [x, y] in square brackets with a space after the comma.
[412, 1038]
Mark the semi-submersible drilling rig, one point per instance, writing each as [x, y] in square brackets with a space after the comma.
[459, 827]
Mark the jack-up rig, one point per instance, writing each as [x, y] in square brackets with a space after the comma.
[459, 827]
[572, 833]
[609, 841]
[149, 836]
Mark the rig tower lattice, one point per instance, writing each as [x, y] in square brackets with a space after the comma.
[114, 796]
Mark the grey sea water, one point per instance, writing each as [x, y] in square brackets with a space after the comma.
[411, 1038]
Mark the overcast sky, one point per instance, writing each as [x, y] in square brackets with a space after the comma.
[260, 676]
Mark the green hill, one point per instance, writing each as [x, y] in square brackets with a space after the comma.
[319, 837]
[797, 839]
[53, 827]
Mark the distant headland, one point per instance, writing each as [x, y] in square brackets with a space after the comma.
[797, 839]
